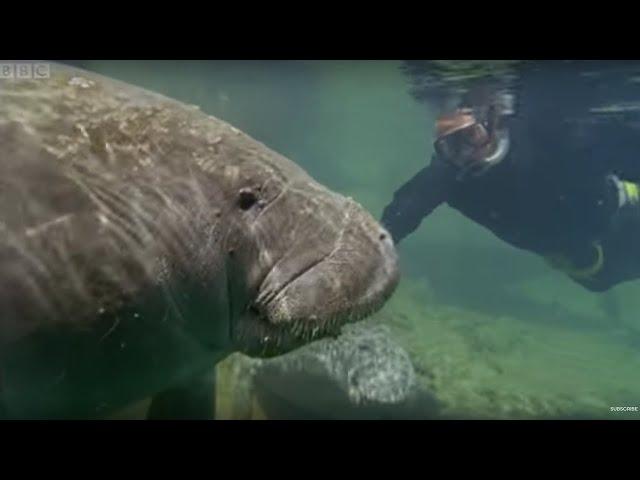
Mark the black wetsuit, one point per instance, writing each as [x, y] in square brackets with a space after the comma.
[547, 196]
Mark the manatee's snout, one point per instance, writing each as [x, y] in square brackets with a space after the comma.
[325, 282]
[352, 281]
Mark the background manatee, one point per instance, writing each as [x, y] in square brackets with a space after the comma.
[142, 240]
[364, 373]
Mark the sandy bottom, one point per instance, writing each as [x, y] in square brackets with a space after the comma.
[482, 366]
[491, 367]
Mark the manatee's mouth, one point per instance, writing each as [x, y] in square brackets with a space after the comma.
[315, 302]
[257, 333]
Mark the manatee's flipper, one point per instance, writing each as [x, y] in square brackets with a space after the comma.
[192, 400]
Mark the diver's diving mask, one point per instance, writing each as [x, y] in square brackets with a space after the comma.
[471, 145]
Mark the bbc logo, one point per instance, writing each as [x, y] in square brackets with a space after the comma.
[24, 70]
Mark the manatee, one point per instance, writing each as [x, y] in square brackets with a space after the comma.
[142, 241]
[364, 373]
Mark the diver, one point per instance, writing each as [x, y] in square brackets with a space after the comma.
[572, 199]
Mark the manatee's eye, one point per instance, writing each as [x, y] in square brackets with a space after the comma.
[246, 199]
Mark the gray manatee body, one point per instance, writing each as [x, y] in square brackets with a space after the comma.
[142, 240]
[364, 373]
[364, 362]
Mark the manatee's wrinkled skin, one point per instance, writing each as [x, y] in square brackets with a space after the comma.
[150, 239]
[364, 372]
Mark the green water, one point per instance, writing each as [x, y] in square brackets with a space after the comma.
[492, 331]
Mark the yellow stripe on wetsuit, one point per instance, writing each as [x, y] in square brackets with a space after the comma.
[632, 191]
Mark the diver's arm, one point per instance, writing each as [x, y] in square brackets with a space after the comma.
[416, 199]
